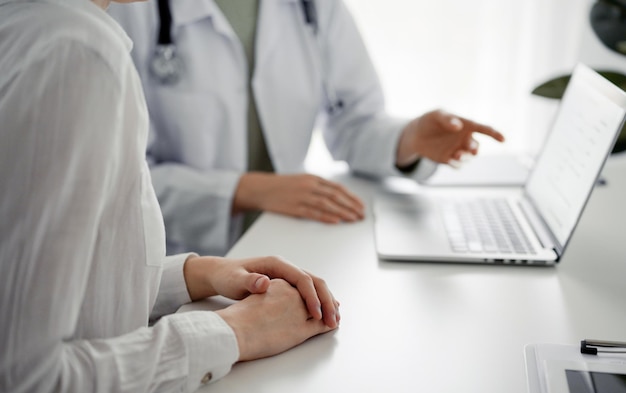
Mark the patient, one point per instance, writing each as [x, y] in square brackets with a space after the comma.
[87, 295]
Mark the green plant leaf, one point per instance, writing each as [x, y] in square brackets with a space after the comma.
[554, 88]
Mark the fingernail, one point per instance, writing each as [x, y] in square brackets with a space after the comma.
[258, 282]
[465, 157]
[473, 145]
[334, 317]
[455, 121]
[454, 164]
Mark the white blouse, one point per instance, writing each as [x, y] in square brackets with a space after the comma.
[82, 245]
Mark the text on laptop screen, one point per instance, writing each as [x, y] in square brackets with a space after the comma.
[574, 153]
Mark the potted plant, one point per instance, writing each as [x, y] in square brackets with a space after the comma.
[608, 20]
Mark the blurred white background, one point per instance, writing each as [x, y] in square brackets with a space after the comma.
[477, 58]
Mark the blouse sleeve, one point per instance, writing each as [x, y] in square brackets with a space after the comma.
[173, 291]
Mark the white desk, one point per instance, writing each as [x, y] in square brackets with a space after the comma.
[423, 327]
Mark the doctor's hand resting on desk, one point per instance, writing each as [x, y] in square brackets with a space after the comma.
[235, 89]
[88, 297]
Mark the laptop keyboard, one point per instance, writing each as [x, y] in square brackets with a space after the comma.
[483, 226]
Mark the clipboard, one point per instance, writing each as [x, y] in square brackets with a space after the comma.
[556, 368]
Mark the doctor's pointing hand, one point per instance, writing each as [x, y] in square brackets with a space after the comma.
[441, 137]
[235, 89]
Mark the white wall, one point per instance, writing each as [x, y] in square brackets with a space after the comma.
[477, 58]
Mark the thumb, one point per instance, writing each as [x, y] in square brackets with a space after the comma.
[256, 283]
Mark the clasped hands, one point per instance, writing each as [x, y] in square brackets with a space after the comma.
[280, 304]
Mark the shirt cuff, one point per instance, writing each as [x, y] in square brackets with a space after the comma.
[425, 169]
[211, 346]
[173, 291]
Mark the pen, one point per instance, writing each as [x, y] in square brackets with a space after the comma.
[591, 347]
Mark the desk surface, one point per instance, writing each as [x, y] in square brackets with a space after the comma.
[409, 327]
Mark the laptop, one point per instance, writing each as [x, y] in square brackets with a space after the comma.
[524, 225]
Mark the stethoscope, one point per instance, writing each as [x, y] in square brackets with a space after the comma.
[166, 67]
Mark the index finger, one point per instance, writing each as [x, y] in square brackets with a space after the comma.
[483, 129]
[319, 300]
[313, 290]
[330, 306]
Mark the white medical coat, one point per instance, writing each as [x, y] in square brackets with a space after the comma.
[198, 144]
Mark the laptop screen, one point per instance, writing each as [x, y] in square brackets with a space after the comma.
[588, 121]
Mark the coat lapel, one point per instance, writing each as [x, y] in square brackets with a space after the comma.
[271, 25]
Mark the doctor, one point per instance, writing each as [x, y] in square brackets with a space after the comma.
[233, 113]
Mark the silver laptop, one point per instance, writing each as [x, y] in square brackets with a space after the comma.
[527, 225]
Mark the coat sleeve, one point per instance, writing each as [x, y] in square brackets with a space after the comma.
[362, 133]
[61, 156]
[183, 192]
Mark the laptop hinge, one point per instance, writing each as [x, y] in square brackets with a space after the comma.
[538, 226]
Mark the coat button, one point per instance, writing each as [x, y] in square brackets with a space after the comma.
[207, 378]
